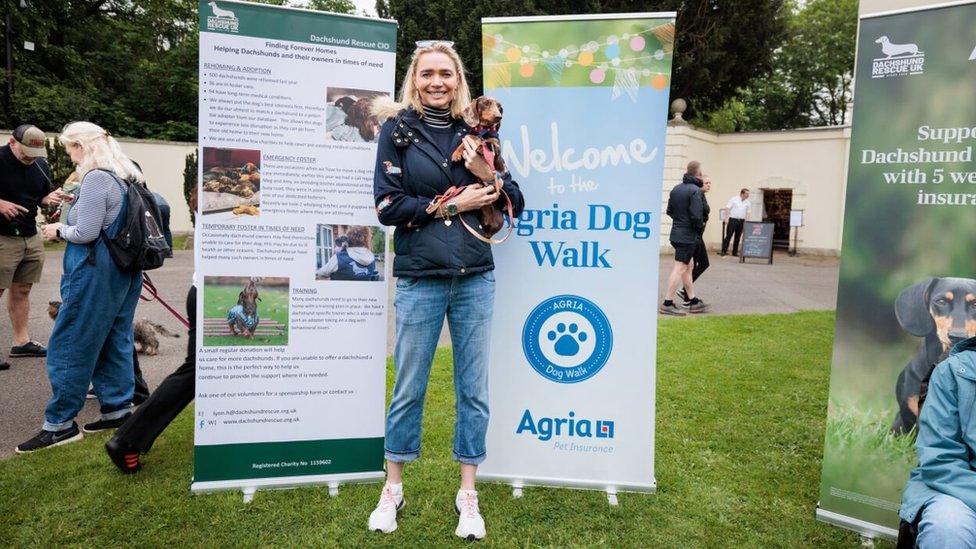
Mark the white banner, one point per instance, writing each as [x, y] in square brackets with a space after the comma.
[291, 265]
[572, 378]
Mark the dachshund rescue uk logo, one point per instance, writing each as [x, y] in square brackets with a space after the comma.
[221, 19]
[567, 339]
[898, 60]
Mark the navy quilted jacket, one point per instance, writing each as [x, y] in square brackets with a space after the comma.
[410, 171]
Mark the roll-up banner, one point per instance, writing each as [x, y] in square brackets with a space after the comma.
[907, 270]
[574, 342]
[291, 265]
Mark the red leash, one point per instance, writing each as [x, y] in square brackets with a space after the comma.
[148, 285]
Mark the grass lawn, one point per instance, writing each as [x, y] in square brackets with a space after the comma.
[741, 407]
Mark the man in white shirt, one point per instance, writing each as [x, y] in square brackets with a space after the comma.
[738, 214]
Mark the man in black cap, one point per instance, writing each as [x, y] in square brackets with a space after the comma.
[25, 183]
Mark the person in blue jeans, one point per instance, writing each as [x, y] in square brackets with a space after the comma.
[92, 336]
[940, 496]
[442, 270]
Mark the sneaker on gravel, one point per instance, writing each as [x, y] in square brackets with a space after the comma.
[126, 459]
[471, 526]
[4, 365]
[46, 439]
[383, 518]
[31, 349]
[700, 307]
[105, 424]
[672, 310]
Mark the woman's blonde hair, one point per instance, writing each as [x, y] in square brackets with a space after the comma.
[384, 107]
[100, 151]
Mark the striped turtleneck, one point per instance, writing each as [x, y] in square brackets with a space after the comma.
[437, 118]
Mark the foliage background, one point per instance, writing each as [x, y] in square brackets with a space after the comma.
[132, 66]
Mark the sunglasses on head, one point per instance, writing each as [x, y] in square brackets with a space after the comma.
[428, 43]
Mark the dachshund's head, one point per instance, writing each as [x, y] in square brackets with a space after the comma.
[344, 103]
[881, 40]
[485, 112]
[249, 297]
[52, 309]
[360, 116]
[941, 307]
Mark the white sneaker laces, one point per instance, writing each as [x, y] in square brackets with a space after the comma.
[469, 505]
[387, 500]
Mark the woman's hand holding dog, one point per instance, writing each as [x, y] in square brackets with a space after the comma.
[474, 162]
[473, 197]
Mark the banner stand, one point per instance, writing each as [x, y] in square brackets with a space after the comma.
[866, 529]
[284, 483]
[573, 351]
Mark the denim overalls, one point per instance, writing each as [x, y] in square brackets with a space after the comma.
[92, 337]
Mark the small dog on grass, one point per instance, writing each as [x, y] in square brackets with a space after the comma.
[243, 319]
[143, 330]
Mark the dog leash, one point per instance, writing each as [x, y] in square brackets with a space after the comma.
[147, 284]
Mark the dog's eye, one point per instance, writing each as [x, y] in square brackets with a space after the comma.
[941, 301]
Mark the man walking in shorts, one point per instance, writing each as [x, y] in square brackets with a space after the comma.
[25, 183]
[686, 210]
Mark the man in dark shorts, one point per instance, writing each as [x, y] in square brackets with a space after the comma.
[686, 210]
[25, 183]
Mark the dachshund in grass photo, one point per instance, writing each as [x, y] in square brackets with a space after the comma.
[941, 311]
[243, 319]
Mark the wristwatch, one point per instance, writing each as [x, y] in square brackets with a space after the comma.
[451, 209]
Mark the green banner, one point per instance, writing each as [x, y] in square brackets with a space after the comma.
[908, 252]
[295, 25]
[286, 459]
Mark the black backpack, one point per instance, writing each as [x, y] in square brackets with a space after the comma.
[139, 245]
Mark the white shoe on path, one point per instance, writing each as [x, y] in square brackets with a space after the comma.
[471, 526]
[383, 518]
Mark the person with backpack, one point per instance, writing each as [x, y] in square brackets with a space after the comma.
[92, 336]
[939, 502]
[353, 261]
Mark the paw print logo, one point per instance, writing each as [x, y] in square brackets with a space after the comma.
[568, 340]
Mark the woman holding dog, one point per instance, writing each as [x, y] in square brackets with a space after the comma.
[92, 336]
[442, 269]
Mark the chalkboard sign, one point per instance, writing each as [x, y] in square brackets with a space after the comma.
[757, 241]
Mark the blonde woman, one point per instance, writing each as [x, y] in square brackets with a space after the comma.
[92, 337]
[442, 270]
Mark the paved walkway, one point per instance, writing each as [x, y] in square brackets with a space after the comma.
[790, 284]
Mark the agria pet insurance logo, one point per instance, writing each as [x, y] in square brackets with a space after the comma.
[222, 20]
[567, 339]
[898, 60]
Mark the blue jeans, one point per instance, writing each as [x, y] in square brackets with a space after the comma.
[421, 304]
[92, 336]
[946, 522]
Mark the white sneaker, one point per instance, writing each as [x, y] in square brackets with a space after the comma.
[383, 518]
[470, 524]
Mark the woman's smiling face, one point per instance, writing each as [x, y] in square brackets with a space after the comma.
[436, 79]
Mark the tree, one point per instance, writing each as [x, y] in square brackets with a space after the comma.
[810, 83]
[721, 45]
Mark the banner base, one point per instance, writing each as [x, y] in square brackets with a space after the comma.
[249, 486]
[611, 488]
[866, 529]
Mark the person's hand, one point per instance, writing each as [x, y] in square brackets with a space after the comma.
[50, 231]
[10, 210]
[474, 162]
[473, 197]
[55, 198]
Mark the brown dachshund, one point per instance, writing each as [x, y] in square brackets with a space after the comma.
[143, 331]
[942, 311]
[359, 116]
[484, 115]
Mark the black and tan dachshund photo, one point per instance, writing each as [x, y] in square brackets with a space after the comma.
[941, 311]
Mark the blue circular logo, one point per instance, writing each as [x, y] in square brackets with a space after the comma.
[567, 339]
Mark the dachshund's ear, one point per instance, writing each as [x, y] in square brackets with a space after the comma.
[912, 308]
[471, 114]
